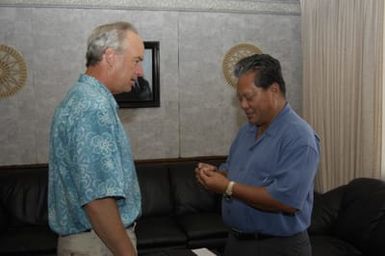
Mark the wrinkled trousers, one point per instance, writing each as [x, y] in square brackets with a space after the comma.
[87, 244]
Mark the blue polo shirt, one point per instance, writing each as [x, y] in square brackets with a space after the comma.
[284, 160]
[90, 158]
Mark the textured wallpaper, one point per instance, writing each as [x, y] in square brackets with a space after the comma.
[243, 6]
[199, 114]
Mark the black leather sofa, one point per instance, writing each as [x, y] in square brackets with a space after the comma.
[178, 213]
[350, 220]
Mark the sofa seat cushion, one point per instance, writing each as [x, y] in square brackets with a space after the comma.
[158, 231]
[213, 243]
[28, 239]
[332, 246]
[202, 225]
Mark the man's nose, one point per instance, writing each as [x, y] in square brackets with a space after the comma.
[139, 70]
[243, 103]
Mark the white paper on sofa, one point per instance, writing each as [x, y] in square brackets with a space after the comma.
[203, 252]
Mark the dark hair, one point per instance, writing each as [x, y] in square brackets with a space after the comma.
[106, 36]
[267, 69]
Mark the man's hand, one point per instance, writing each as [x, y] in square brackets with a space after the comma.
[209, 176]
[203, 167]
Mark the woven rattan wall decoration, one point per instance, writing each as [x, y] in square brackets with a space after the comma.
[13, 71]
[232, 56]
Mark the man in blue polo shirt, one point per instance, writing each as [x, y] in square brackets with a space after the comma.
[267, 180]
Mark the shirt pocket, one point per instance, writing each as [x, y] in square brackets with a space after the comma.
[259, 171]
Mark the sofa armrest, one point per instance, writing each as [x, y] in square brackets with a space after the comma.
[325, 211]
[361, 215]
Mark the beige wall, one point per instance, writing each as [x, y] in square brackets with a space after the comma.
[199, 114]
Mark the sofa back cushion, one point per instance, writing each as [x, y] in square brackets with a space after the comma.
[155, 190]
[189, 196]
[362, 209]
[23, 193]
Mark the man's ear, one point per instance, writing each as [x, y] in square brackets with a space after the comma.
[275, 88]
[109, 56]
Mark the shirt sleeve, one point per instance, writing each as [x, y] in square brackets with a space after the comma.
[97, 170]
[294, 177]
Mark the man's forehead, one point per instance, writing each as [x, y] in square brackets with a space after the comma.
[134, 40]
[135, 50]
[246, 89]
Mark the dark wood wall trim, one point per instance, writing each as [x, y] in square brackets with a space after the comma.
[163, 161]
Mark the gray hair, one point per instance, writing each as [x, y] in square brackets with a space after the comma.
[106, 36]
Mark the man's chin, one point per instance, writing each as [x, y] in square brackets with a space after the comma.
[128, 89]
[252, 121]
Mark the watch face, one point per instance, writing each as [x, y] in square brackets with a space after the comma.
[229, 189]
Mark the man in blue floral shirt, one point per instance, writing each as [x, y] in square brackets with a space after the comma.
[94, 197]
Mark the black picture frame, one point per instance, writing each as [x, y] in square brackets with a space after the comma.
[146, 93]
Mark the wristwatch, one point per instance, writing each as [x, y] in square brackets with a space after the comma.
[229, 190]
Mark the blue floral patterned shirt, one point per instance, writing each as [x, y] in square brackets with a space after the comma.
[90, 158]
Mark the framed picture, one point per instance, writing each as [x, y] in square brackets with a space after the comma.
[145, 93]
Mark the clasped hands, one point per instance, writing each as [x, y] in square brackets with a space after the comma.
[210, 178]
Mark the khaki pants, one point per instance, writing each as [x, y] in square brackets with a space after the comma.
[87, 244]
